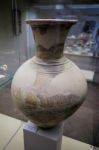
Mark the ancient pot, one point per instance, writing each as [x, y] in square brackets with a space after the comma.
[48, 88]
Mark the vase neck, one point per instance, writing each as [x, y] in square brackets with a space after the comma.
[52, 53]
[49, 41]
[49, 38]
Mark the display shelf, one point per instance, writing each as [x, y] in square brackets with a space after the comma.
[8, 128]
[11, 137]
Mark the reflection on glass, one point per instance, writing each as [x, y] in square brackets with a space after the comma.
[82, 44]
[4, 72]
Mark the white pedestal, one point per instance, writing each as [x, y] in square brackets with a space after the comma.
[42, 139]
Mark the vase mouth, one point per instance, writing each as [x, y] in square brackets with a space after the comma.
[50, 21]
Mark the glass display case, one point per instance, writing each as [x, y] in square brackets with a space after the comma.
[13, 47]
[16, 40]
[81, 46]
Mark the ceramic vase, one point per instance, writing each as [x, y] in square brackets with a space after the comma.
[49, 88]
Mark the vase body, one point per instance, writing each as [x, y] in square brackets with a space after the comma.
[48, 88]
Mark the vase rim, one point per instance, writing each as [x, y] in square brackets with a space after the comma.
[42, 21]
